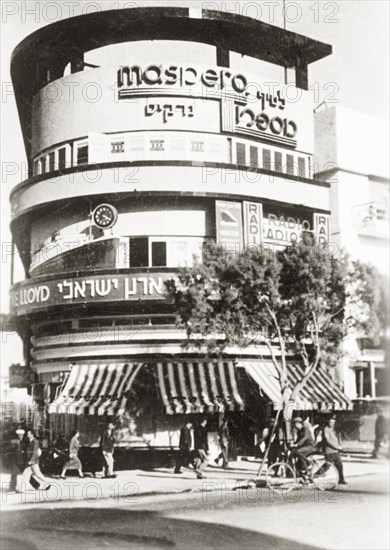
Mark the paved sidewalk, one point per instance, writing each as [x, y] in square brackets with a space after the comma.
[130, 485]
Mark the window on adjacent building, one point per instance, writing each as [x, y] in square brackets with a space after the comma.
[290, 164]
[82, 154]
[241, 153]
[266, 159]
[159, 254]
[278, 162]
[139, 253]
[51, 162]
[43, 164]
[254, 156]
[301, 167]
[61, 158]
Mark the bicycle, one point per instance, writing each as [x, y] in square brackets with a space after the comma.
[283, 476]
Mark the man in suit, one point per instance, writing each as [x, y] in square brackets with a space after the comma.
[18, 459]
[381, 434]
[184, 457]
[201, 449]
[107, 446]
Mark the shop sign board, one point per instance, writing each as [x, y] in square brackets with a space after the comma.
[283, 230]
[229, 224]
[31, 296]
[21, 376]
[321, 228]
[249, 104]
[253, 227]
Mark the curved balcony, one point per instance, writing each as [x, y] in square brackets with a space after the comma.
[168, 178]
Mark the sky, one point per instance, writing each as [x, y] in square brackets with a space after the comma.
[355, 76]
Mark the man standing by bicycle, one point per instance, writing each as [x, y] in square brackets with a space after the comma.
[304, 445]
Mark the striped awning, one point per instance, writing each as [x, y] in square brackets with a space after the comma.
[198, 387]
[320, 392]
[100, 389]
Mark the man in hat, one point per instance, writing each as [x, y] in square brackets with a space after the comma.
[332, 448]
[304, 444]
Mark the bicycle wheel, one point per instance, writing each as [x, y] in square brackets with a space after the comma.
[281, 477]
[325, 475]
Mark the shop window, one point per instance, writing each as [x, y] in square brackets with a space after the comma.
[159, 254]
[241, 153]
[51, 162]
[301, 167]
[254, 156]
[278, 162]
[61, 158]
[290, 165]
[139, 253]
[266, 159]
[82, 154]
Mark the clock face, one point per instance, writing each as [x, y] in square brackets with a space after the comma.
[105, 216]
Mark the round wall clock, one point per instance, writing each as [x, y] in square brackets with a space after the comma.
[105, 216]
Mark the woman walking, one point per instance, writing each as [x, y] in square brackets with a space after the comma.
[74, 461]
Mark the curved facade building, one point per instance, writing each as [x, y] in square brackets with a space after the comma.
[138, 154]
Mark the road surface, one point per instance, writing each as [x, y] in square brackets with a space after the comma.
[353, 517]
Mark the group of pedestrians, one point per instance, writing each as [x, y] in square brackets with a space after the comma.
[26, 453]
[107, 440]
[195, 453]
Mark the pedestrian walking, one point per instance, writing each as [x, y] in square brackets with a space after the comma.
[32, 469]
[201, 449]
[271, 441]
[381, 432]
[184, 457]
[332, 448]
[18, 453]
[107, 446]
[223, 433]
[74, 462]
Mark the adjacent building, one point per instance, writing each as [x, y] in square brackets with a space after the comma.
[352, 155]
[138, 154]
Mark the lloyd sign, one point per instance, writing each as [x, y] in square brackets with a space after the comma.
[28, 296]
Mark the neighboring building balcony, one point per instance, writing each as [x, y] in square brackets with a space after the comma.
[371, 220]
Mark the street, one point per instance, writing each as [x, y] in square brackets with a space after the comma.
[355, 516]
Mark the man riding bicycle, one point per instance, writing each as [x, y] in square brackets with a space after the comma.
[304, 445]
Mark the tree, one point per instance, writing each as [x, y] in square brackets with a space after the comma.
[294, 298]
[301, 301]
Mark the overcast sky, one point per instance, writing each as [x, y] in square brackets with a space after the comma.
[355, 76]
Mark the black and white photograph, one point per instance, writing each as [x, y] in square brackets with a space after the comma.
[195, 271]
